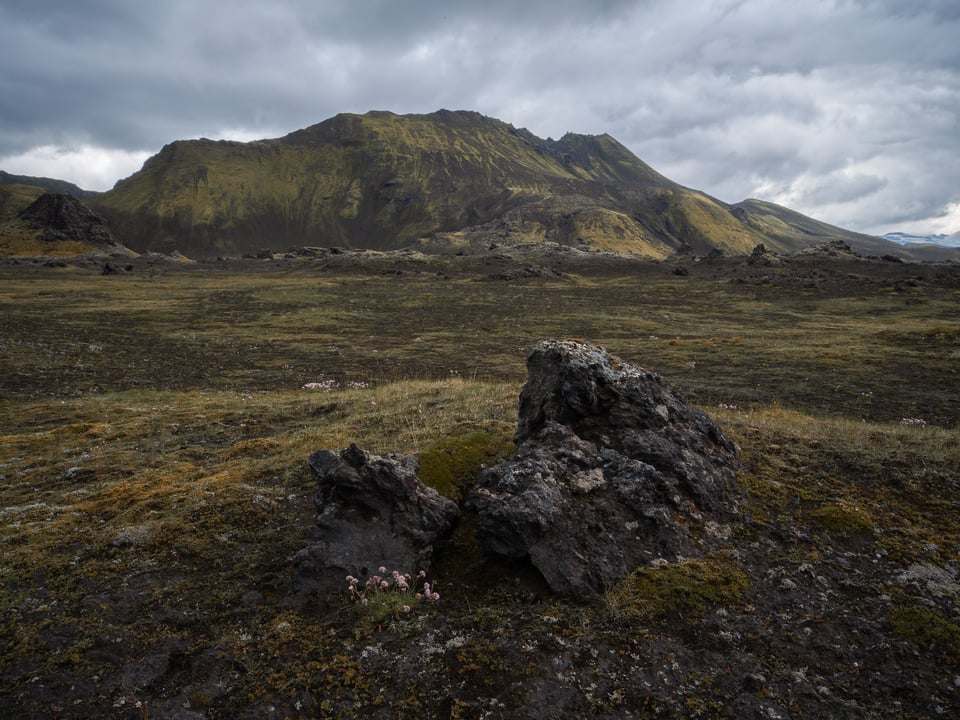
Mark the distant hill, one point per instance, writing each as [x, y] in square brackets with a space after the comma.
[794, 229]
[49, 184]
[17, 192]
[442, 182]
[942, 239]
[14, 197]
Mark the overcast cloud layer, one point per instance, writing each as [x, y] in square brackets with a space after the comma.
[846, 110]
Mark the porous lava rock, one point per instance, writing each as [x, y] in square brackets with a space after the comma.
[612, 470]
[373, 511]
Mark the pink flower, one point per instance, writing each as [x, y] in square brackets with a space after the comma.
[406, 608]
[381, 569]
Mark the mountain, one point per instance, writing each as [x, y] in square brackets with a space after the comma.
[444, 181]
[902, 238]
[49, 184]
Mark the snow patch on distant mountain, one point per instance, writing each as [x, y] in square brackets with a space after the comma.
[943, 240]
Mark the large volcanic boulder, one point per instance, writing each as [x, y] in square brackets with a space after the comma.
[612, 470]
[373, 511]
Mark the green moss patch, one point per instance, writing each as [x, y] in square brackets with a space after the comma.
[844, 518]
[683, 590]
[929, 630]
[450, 466]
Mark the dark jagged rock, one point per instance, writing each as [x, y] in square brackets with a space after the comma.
[763, 257]
[64, 217]
[373, 511]
[834, 248]
[612, 470]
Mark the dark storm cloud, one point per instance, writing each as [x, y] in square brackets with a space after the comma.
[846, 110]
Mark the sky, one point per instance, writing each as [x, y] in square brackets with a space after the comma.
[844, 110]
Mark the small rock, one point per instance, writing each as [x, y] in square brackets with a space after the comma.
[79, 474]
[134, 535]
[754, 682]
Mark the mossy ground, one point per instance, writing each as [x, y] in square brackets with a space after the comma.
[154, 432]
[678, 592]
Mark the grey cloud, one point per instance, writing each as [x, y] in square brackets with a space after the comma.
[844, 189]
[846, 107]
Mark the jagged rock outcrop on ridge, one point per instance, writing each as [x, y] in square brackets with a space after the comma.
[64, 217]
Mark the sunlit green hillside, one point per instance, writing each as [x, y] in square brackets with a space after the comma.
[385, 181]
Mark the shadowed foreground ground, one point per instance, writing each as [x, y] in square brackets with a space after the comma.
[154, 432]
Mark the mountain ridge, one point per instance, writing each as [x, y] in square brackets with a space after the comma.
[62, 187]
[906, 238]
[447, 181]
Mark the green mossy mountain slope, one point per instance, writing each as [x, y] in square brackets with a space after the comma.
[447, 180]
[15, 197]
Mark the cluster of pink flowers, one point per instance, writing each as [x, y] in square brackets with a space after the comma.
[427, 594]
[394, 582]
[913, 421]
[357, 384]
[724, 406]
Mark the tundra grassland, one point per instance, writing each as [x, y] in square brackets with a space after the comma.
[155, 426]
